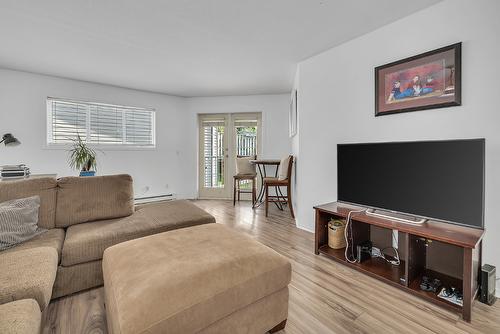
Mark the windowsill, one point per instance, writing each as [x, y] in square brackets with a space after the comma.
[66, 147]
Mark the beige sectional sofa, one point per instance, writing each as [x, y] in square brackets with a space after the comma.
[83, 216]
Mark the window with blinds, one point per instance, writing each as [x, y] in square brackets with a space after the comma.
[100, 124]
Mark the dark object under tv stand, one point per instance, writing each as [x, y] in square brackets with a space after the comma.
[459, 246]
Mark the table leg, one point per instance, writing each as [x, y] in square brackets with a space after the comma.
[260, 198]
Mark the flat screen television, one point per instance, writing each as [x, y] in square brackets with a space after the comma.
[441, 180]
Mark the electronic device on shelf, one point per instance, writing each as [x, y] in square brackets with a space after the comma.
[438, 180]
[488, 284]
[363, 251]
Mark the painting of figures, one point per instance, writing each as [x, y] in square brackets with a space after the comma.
[427, 81]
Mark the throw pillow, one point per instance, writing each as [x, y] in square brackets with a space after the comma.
[244, 166]
[19, 221]
[283, 168]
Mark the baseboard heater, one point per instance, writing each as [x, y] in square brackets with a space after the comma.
[158, 198]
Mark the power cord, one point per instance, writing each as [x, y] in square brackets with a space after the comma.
[380, 253]
[348, 229]
[396, 262]
[375, 251]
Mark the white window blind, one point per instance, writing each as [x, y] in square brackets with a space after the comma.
[100, 124]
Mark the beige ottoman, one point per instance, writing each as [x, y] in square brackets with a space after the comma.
[202, 279]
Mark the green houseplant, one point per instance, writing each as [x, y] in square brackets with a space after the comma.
[82, 157]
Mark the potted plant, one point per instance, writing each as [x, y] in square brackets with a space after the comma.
[82, 157]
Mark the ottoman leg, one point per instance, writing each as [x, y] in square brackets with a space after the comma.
[278, 327]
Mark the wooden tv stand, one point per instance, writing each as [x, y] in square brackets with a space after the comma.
[449, 252]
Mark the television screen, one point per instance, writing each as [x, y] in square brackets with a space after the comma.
[442, 180]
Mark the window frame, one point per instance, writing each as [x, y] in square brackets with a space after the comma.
[49, 144]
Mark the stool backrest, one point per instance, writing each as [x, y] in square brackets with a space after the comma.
[287, 169]
[243, 164]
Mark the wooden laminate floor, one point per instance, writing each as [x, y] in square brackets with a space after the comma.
[325, 297]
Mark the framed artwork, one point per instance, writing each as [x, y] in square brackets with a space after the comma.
[293, 114]
[426, 81]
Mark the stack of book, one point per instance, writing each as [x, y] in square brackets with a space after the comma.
[14, 171]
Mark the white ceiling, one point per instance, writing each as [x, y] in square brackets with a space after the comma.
[184, 47]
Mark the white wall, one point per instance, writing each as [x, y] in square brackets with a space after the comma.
[172, 163]
[337, 100]
[295, 145]
[23, 112]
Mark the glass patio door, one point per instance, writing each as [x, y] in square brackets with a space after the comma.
[223, 137]
[245, 129]
[213, 157]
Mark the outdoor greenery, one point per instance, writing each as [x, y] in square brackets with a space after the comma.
[249, 130]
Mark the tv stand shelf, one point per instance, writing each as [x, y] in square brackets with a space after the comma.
[435, 249]
[375, 267]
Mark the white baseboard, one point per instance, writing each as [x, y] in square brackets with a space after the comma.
[215, 198]
[303, 228]
[186, 196]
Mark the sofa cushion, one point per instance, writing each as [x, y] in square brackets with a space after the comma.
[19, 221]
[87, 242]
[28, 274]
[20, 317]
[77, 278]
[85, 199]
[45, 188]
[53, 238]
[187, 279]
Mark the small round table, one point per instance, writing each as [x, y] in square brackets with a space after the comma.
[261, 166]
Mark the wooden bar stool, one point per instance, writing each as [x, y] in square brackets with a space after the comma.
[283, 180]
[245, 170]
